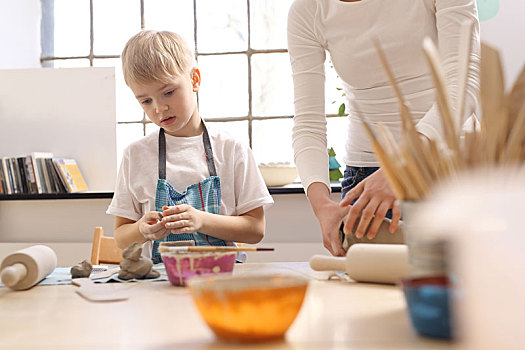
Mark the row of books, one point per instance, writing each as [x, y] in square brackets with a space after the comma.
[40, 172]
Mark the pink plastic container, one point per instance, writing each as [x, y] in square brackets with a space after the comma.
[181, 266]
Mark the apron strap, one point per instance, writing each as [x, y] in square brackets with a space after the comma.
[162, 154]
[207, 149]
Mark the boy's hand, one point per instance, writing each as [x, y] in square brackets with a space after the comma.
[182, 218]
[151, 227]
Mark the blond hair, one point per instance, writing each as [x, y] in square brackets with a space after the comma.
[155, 56]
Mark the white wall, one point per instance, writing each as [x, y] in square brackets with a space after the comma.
[67, 226]
[68, 111]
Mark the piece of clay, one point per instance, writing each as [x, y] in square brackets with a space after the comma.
[383, 235]
[134, 265]
[82, 269]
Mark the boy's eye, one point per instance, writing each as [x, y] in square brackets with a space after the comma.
[169, 92]
[146, 101]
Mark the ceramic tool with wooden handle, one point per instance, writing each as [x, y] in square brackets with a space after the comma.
[26, 267]
[376, 263]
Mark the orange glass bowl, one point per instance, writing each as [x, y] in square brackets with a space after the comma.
[248, 308]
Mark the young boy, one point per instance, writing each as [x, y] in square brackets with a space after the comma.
[182, 182]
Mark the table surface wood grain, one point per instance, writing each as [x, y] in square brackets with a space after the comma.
[336, 314]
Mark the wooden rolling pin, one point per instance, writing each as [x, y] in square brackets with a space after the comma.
[377, 263]
[26, 267]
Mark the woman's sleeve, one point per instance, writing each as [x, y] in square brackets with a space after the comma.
[450, 14]
[307, 57]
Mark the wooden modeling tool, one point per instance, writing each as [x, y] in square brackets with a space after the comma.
[26, 267]
[413, 166]
[375, 263]
[516, 99]
[102, 292]
[464, 53]
[443, 100]
[105, 274]
[182, 249]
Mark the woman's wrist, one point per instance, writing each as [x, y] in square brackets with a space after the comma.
[319, 196]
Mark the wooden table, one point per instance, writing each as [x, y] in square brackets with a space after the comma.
[335, 315]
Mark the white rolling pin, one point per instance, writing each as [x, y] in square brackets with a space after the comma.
[377, 263]
[26, 267]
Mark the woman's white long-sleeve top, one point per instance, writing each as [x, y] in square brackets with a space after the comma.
[346, 31]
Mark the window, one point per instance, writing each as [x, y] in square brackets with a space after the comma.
[240, 48]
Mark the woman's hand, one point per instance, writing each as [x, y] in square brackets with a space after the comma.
[182, 218]
[151, 227]
[375, 198]
[330, 216]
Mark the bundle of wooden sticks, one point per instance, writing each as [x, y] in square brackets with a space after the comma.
[416, 165]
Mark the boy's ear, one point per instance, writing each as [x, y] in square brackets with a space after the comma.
[196, 79]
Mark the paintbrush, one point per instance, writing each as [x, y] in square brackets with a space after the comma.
[410, 133]
[182, 249]
[464, 54]
[383, 158]
[493, 104]
[414, 166]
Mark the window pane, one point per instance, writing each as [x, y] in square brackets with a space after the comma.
[272, 140]
[239, 130]
[268, 23]
[175, 16]
[70, 63]
[114, 22]
[222, 25]
[337, 130]
[272, 85]
[224, 86]
[71, 28]
[126, 134]
[128, 108]
[333, 97]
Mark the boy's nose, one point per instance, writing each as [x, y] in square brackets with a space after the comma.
[161, 108]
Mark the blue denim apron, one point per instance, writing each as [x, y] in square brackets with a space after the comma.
[205, 196]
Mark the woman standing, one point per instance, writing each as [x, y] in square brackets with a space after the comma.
[346, 30]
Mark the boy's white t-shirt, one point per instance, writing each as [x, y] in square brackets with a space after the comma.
[242, 186]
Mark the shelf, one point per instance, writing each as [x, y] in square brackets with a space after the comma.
[288, 189]
[297, 187]
[43, 196]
